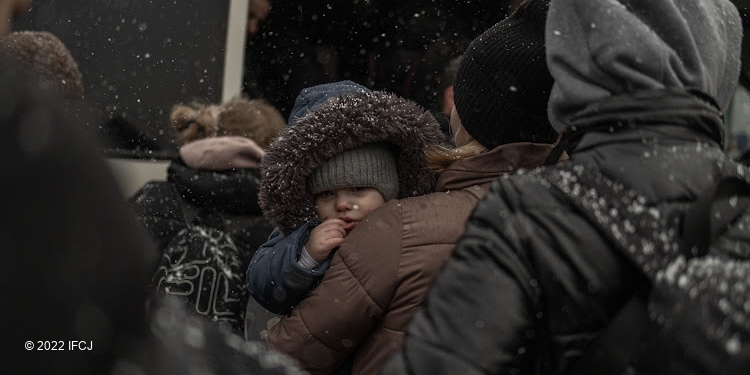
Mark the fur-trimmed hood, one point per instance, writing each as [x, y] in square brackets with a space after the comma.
[338, 125]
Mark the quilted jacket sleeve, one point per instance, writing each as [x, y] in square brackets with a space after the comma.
[341, 313]
[274, 278]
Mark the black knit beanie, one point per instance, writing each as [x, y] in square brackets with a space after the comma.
[502, 85]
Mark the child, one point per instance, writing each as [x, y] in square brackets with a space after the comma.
[342, 200]
[346, 152]
[379, 276]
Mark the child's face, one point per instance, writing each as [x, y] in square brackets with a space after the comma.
[350, 204]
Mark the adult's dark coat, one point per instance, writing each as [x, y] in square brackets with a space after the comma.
[533, 281]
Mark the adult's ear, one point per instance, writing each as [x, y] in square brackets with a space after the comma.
[447, 100]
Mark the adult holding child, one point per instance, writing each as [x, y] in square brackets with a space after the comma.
[381, 271]
[346, 152]
[553, 258]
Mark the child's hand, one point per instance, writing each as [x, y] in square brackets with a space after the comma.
[324, 238]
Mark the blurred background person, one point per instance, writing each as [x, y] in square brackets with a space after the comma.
[48, 60]
[205, 217]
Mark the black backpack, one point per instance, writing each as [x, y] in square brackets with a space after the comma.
[691, 314]
[204, 268]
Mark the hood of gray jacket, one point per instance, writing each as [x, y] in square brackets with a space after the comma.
[601, 48]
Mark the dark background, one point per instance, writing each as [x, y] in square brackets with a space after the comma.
[137, 59]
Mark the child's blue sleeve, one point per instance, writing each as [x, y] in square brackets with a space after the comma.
[274, 278]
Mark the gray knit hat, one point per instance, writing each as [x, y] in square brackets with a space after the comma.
[372, 165]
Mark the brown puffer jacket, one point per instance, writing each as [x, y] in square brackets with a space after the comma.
[383, 269]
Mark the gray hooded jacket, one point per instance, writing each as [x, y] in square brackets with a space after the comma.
[639, 90]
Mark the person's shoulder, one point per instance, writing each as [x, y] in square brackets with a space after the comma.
[392, 211]
[437, 201]
[155, 188]
[529, 190]
[407, 215]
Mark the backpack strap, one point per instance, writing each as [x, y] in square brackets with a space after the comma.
[189, 213]
[714, 211]
[557, 150]
[619, 342]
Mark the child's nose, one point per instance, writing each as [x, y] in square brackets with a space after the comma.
[342, 203]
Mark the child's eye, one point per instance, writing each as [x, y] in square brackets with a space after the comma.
[358, 188]
[326, 194]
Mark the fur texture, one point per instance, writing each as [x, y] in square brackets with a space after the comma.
[342, 124]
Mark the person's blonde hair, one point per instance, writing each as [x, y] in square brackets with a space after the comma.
[439, 158]
[255, 119]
